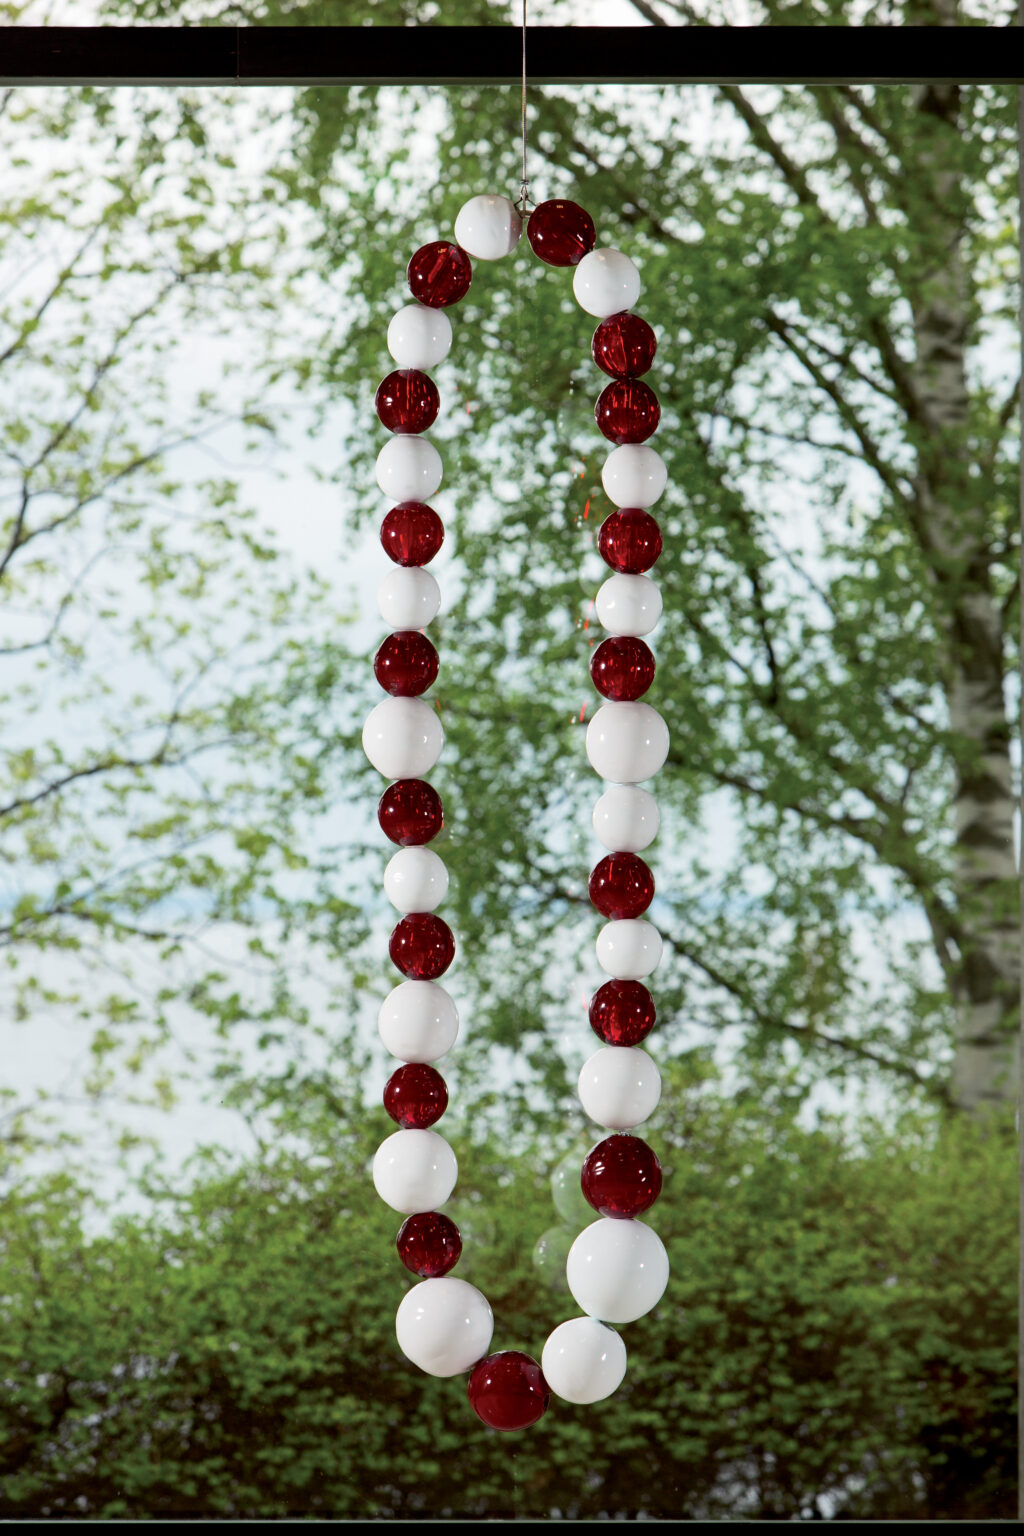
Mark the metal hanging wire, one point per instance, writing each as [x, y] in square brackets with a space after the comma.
[524, 185]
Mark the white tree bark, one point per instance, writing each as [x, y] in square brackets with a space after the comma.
[952, 529]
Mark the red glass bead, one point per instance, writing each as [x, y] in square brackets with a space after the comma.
[624, 346]
[429, 1244]
[412, 533]
[630, 540]
[440, 274]
[415, 1096]
[406, 664]
[621, 886]
[561, 233]
[621, 1177]
[410, 812]
[422, 946]
[622, 1013]
[627, 411]
[508, 1390]
[407, 401]
[622, 667]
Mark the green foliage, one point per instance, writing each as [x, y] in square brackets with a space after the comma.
[168, 672]
[836, 1338]
[812, 613]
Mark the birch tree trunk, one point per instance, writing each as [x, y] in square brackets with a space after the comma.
[953, 531]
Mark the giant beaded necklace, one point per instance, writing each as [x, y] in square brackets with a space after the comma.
[617, 1268]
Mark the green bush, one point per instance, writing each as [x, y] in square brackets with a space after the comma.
[837, 1337]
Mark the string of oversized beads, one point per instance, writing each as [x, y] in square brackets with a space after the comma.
[617, 1269]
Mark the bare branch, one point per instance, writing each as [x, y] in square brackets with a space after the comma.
[872, 452]
[945, 930]
[806, 1033]
[867, 114]
[649, 13]
[63, 277]
[857, 153]
[1007, 411]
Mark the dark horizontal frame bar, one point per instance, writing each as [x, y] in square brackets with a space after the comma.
[492, 55]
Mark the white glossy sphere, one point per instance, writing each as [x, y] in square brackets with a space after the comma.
[403, 738]
[409, 468]
[633, 475]
[620, 1086]
[626, 818]
[414, 1171]
[408, 597]
[617, 1270]
[606, 282]
[419, 337]
[418, 1021]
[415, 880]
[627, 742]
[583, 1361]
[488, 227]
[444, 1326]
[629, 605]
[629, 949]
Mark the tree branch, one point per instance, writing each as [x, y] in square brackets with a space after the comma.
[649, 13]
[63, 277]
[871, 451]
[806, 1033]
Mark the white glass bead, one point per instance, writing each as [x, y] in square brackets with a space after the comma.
[633, 475]
[629, 949]
[626, 818]
[409, 468]
[620, 1087]
[415, 880]
[606, 282]
[617, 1270]
[627, 742]
[419, 337]
[629, 605]
[403, 738]
[488, 227]
[414, 1171]
[583, 1361]
[418, 1021]
[444, 1325]
[408, 597]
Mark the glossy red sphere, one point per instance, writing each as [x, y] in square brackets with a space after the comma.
[627, 411]
[406, 664]
[622, 1013]
[561, 233]
[621, 886]
[621, 1177]
[429, 1244]
[440, 274]
[624, 346]
[407, 401]
[622, 667]
[630, 540]
[422, 946]
[410, 812]
[508, 1390]
[412, 533]
[415, 1096]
